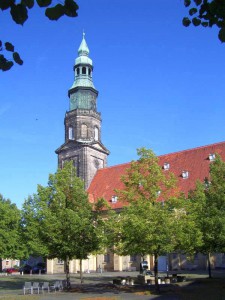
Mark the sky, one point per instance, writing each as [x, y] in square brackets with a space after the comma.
[161, 85]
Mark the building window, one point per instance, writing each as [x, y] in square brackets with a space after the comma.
[84, 131]
[212, 156]
[166, 166]
[60, 262]
[96, 133]
[185, 174]
[71, 133]
[89, 71]
[78, 71]
[133, 258]
[106, 258]
[114, 199]
[84, 70]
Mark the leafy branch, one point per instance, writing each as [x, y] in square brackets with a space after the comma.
[19, 13]
[207, 14]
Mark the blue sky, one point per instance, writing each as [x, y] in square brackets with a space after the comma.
[160, 85]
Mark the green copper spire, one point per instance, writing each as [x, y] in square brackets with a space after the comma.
[83, 67]
[83, 94]
[83, 49]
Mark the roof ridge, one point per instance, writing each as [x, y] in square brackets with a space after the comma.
[162, 155]
[110, 167]
[191, 149]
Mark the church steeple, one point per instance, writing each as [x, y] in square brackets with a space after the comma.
[83, 70]
[83, 49]
[83, 122]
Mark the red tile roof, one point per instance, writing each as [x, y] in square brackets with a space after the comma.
[196, 161]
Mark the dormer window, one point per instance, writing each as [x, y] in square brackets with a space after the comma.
[212, 156]
[114, 199]
[185, 174]
[71, 133]
[166, 166]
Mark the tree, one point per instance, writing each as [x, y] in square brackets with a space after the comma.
[154, 220]
[208, 207]
[144, 225]
[207, 13]
[64, 214]
[11, 245]
[19, 14]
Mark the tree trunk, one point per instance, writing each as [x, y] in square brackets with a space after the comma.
[68, 285]
[81, 272]
[209, 265]
[156, 273]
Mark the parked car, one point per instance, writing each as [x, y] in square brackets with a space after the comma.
[12, 270]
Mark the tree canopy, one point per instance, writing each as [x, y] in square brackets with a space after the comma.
[154, 220]
[11, 245]
[66, 227]
[208, 208]
[19, 12]
[207, 13]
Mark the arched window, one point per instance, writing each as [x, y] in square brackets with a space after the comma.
[84, 70]
[78, 71]
[84, 131]
[71, 133]
[96, 134]
[89, 71]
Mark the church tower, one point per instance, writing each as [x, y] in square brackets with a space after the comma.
[83, 122]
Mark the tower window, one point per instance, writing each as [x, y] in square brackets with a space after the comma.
[96, 134]
[89, 71]
[78, 71]
[84, 131]
[71, 133]
[84, 70]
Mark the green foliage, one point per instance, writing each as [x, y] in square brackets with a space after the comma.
[152, 223]
[58, 220]
[11, 245]
[19, 13]
[208, 208]
[147, 224]
[144, 180]
[6, 64]
[209, 13]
